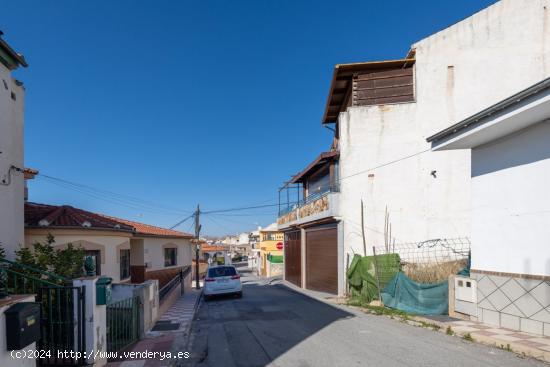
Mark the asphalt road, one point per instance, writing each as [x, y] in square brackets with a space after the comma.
[275, 326]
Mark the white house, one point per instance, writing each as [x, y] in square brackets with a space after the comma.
[382, 112]
[510, 181]
[12, 187]
[123, 250]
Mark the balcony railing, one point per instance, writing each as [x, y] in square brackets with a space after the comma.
[285, 208]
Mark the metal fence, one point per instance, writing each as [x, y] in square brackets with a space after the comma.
[426, 261]
[291, 196]
[173, 283]
[61, 325]
[122, 323]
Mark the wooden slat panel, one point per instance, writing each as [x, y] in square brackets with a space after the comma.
[385, 74]
[322, 260]
[293, 257]
[384, 92]
[377, 101]
[383, 83]
[388, 86]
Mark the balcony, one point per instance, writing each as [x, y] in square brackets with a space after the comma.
[317, 206]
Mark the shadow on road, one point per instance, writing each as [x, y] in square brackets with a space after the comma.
[267, 322]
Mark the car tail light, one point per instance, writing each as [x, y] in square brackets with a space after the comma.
[209, 280]
[236, 277]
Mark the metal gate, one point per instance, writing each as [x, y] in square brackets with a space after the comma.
[62, 337]
[122, 323]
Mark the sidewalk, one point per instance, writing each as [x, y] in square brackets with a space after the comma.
[176, 321]
[178, 318]
[525, 344]
[529, 345]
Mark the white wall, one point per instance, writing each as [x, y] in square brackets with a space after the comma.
[109, 244]
[459, 71]
[511, 201]
[154, 251]
[243, 239]
[11, 153]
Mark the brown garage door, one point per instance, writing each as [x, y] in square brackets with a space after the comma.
[322, 259]
[293, 258]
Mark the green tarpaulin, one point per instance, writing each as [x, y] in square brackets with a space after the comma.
[406, 295]
[361, 274]
[397, 290]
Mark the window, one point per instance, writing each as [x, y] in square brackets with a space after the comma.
[170, 256]
[319, 182]
[96, 257]
[221, 271]
[269, 237]
[124, 264]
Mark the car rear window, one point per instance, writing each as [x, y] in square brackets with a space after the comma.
[221, 271]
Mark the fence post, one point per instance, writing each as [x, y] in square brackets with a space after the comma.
[376, 273]
[95, 325]
[182, 284]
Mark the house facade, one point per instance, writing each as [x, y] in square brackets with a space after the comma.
[381, 113]
[124, 250]
[510, 177]
[12, 186]
[271, 244]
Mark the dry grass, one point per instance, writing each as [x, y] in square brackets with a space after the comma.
[433, 272]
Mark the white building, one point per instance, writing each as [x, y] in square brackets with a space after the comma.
[510, 181]
[382, 112]
[12, 186]
[124, 250]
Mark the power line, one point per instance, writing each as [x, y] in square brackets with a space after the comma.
[111, 196]
[110, 200]
[182, 221]
[227, 219]
[383, 165]
[139, 204]
[244, 208]
[246, 214]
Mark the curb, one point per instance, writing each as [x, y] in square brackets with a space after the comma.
[523, 350]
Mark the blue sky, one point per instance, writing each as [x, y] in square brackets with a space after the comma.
[186, 102]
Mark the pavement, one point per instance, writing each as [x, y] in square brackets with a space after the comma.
[526, 344]
[171, 326]
[273, 325]
[180, 315]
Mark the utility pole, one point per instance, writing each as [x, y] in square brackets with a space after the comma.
[197, 245]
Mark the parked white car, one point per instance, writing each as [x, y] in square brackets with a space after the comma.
[223, 279]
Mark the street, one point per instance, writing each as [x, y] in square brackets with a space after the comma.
[273, 325]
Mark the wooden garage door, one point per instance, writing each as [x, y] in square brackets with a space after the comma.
[293, 258]
[322, 259]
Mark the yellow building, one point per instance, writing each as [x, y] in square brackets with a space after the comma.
[271, 244]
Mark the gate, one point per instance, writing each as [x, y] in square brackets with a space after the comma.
[122, 323]
[62, 326]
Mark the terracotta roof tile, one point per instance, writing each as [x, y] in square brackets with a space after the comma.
[65, 216]
[213, 248]
[147, 229]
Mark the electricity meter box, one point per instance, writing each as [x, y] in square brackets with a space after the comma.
[103, 290]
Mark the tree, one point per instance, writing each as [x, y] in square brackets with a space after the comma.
[67, 262]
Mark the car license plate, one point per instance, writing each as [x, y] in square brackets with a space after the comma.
[223, 280]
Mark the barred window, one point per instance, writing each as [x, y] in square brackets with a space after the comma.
[170, 256]
[124, 264]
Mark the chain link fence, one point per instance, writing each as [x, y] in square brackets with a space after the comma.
[425, 262]
[428, 261]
